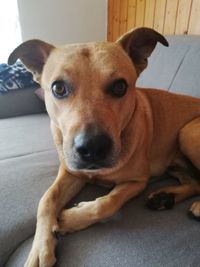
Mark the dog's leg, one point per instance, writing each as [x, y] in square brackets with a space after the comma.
[165, 198]
[186, 173]
[189, 140]
[186, 169]
[63, 189]
[194, 210]
[87, 213]
[190, 145]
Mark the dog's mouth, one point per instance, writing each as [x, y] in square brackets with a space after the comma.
[76, 163]
[77, 166]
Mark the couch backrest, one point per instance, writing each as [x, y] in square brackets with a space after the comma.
[176, 68]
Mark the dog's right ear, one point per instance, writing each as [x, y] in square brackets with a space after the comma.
[33, 54]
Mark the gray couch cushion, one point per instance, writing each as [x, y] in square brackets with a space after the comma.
[187, 79]
[20, 102]
[135, 236]
[174, 68]
[24, 180]
[24, 135]
[28, 165]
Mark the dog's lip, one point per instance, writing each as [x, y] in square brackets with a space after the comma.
[93, 167]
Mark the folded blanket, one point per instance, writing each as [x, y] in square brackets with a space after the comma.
[14, 77]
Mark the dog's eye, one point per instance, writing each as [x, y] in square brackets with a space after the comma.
[60, 89]
[118, 88]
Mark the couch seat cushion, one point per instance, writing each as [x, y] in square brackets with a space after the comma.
[24, 135]
[135, 236]
[28, 165]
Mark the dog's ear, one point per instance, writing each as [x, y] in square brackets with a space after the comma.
[139, 44]
[33, 54]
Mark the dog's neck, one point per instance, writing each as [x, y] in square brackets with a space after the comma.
[137, 129]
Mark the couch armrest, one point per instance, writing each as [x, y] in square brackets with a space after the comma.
[20, 102]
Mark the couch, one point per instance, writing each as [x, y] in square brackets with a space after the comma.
[135, 236]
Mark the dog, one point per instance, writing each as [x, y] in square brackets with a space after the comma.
[108, 131]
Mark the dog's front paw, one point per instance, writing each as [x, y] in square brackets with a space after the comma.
[160, 201]
[78, 217]
[194, 211]
[42, 252]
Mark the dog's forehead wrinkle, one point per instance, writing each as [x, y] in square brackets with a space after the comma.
[85, 51]
[100, 51]
[90, 62]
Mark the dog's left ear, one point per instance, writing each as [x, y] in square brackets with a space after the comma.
[139, 45]
[33, 54]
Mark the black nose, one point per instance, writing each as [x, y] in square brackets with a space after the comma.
[92, 148]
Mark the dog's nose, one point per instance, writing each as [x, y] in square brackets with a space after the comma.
[93, 148]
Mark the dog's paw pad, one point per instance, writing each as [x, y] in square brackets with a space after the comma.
[194, 211]
[161, 201]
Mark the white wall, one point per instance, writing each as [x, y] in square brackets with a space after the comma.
[63, 21]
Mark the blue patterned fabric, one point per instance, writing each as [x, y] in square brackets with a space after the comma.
[14, 77]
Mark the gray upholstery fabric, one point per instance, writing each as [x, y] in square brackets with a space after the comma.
[24, 135]
[174, 68]
[187, 79]
[28, 165]
[20, 102]
[135, 236]
[23, 181]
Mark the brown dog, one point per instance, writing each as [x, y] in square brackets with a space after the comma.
[107, 130]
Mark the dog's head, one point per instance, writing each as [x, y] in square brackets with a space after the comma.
[89, 92]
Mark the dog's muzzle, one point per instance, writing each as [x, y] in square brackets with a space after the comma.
[92, 150]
